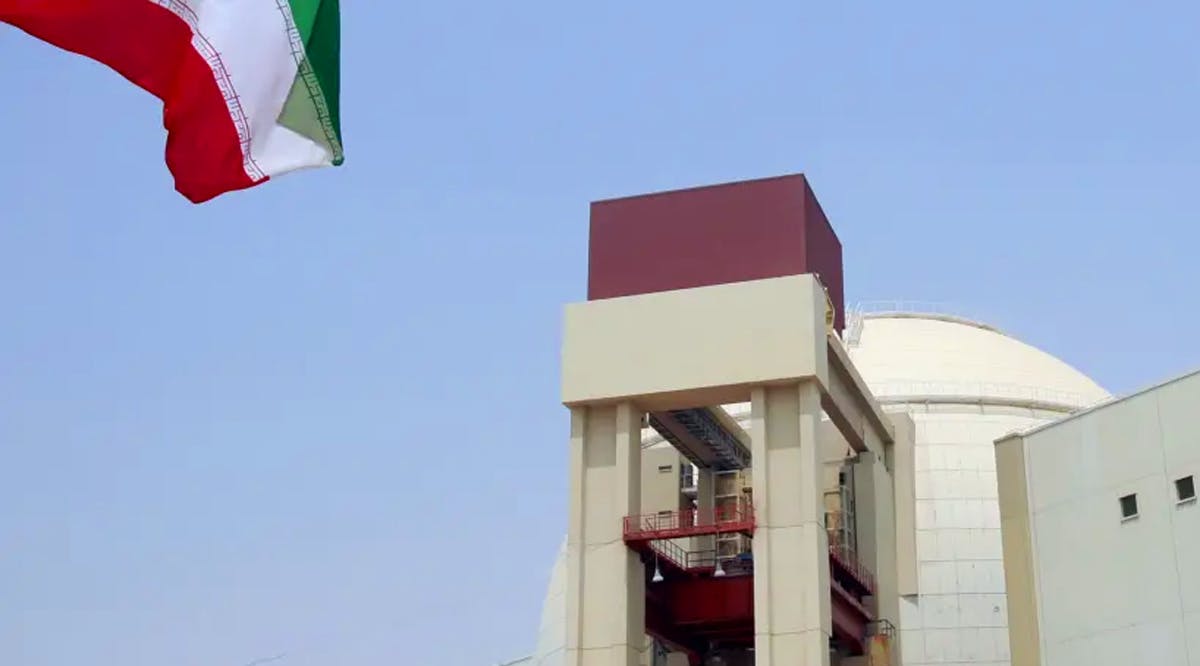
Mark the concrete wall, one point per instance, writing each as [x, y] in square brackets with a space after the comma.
[960, 614]
[1024, 632]
[660, 479]
[1109, 590]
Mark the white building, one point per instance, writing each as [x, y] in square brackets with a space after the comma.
[965, 384]
[1102, 533]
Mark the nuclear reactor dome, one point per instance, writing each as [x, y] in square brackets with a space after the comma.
[920, 359]
[965, 384]
[908, 357]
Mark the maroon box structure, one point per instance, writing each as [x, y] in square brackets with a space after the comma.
[712, 235]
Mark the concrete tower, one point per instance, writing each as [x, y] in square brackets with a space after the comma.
[739, 315]
[656, 318]
[964, 384]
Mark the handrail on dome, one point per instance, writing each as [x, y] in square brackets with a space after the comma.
[977, 391]
[907, 308]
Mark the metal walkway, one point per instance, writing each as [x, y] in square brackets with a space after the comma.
[699, 435]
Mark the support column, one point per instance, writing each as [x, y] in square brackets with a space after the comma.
[705, 504]
[606, 591]
[876, 526]
[792, 620]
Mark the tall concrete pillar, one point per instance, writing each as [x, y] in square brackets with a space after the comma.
[606, 588]
[876, 525]
[792, 620]
[705, 504]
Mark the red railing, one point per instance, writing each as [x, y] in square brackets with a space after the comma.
[699, 560]
[847, 560]
[690, 522]
[660, 528]
[671, 552]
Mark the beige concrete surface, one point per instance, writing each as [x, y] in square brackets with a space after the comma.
[903, 466]
[1024, 637]
[848, 402]
[660, 480]
[791, 564]
[1088, 584]
[705, 504]
[877, 531]
[708, 346]
[606, 585]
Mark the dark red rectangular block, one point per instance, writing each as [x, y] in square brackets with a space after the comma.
[718, 234]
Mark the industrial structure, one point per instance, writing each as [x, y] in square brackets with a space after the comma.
[731, 421]
[1102, 533]
[740, 315]
[965, 384]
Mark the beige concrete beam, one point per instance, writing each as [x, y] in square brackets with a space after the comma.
[709, 345]
[731, 425]
[849, 403]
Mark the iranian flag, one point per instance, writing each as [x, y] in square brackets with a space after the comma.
[249, 87]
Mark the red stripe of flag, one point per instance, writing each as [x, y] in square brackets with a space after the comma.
[151, 47]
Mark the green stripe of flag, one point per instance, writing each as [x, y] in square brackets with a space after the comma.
[313, 107]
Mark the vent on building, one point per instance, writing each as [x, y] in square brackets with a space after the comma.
[1129, 507]
[1185, 489]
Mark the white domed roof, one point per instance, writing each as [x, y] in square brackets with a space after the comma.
[915, 357]
[912, 357]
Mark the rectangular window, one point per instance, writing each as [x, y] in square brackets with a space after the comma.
[664, 469]
[1185, 489]
[687, 476]
[1129, 507]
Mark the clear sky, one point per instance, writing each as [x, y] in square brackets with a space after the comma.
[319, 417]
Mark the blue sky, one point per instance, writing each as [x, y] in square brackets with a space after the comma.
[319, 417]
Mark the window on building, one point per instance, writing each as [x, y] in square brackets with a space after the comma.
[1185, 489]
[687, 476]
[665, 469]
[1129, 507]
